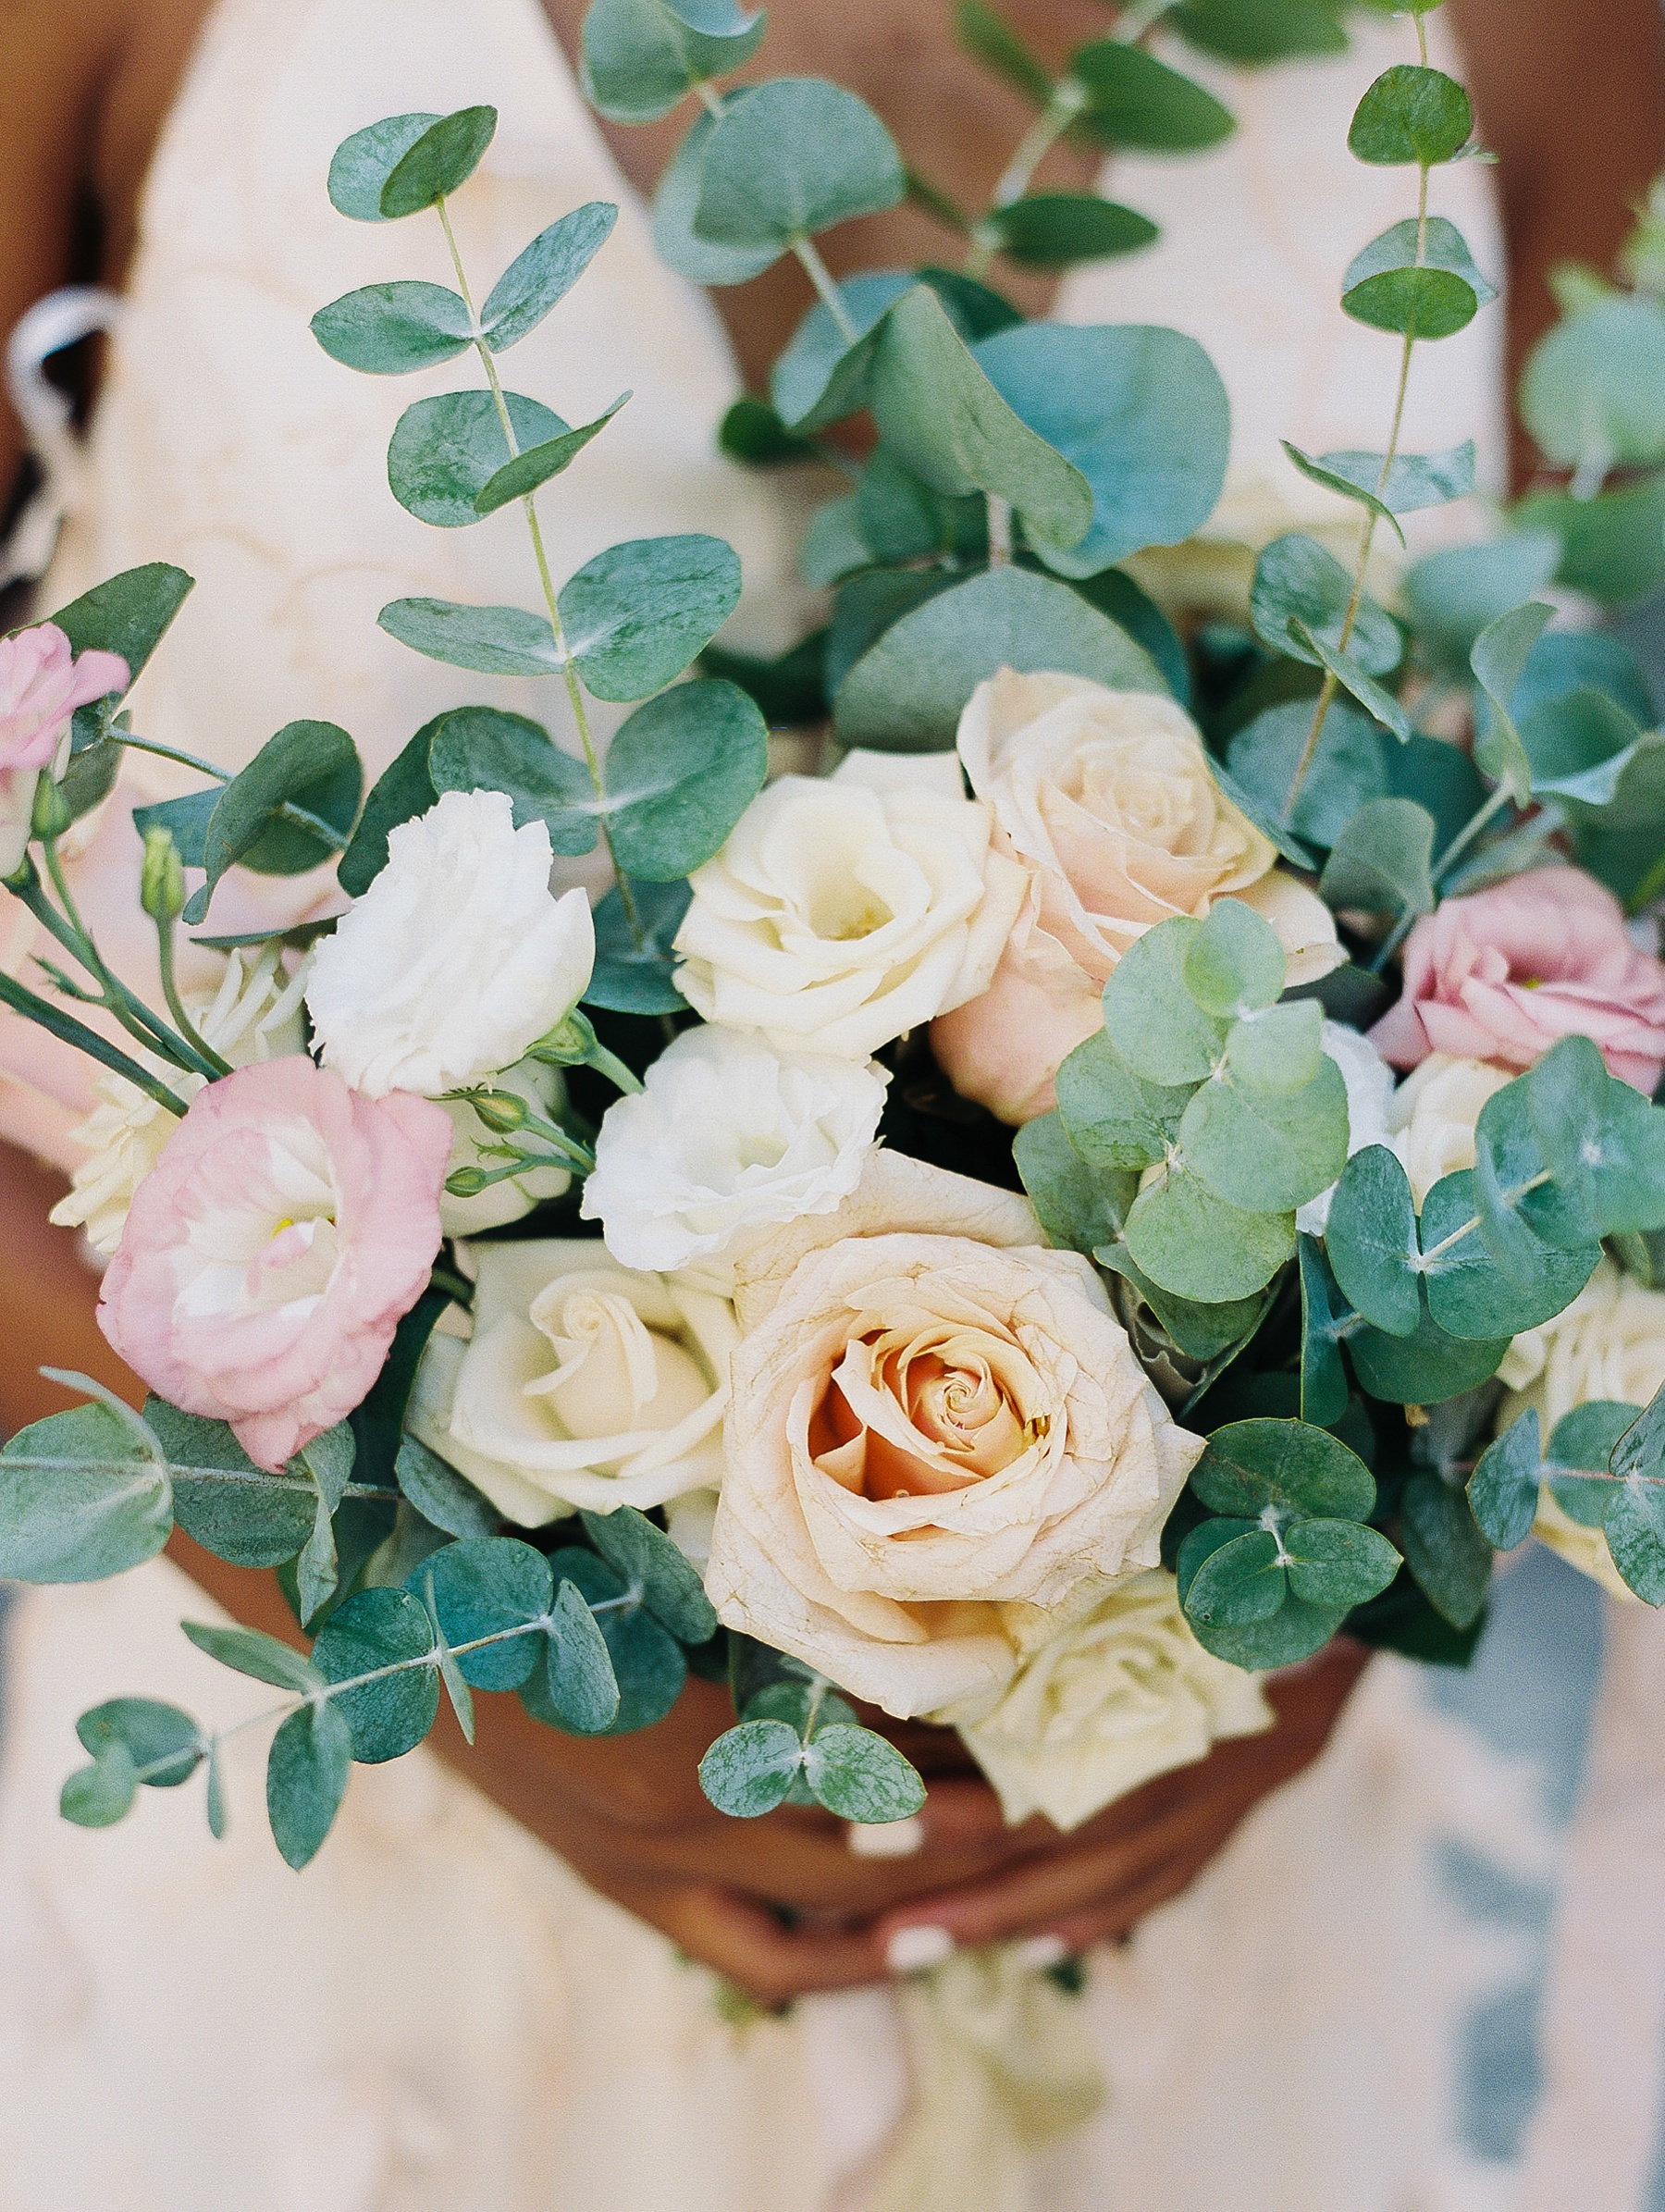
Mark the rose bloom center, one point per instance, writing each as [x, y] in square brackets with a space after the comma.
[918, 1412]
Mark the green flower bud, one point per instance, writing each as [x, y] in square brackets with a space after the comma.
[161, 876]
[51, 817]
[502, 1112]
[568, 1043]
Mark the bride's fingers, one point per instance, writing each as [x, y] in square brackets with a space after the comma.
[747, 1942]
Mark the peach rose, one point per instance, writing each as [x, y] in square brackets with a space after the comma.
[1506, 973]
[940, 1446]
[268, 1255]
[1108, 800]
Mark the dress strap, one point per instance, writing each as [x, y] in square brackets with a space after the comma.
[61, 319]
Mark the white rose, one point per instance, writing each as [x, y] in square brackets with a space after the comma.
[1369, 1080]
[728, 1139]
[940, 1443]
[456, 960]
[544, 1090]
[1123, 1695]
[1608, 1343]
[584, 1384]
[837, 915]
[254, 1015]
[1431, 1116]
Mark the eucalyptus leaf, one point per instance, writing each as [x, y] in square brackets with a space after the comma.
[1349, 673]
[1422, 288]
[543, 273]
[1503, 1488]
[390, 330]
[1593, 390]
[1135, 101]
[1348, 771]
[991, 39]
[1411, 115]
[1259, 30]
[403, 790]
[1238, 1582]
[641, 57]
[496, 641]
[1364, 495]
[1080, 1210]
[441, 1495]
[1114, 1120]
[487, 1587]
[749, 1771]
[860, 1775]
[80, 1498]
[629, 978]
[127, 614]
[790, 158]
[100, 1795]
[1453, 596]
[1233, 964]
[1604, 1143]
[648, 1558]
[907, 692]
[1382, 859]
[1290, 1467]
[362, 163]
[1497, 657]
[251, 1652]
[1423, 1369]
[1265, 1152]
[1140, 411]
[638, 613]
[252, 1520]
[1340, 1563]
[1414, 480]
[1192, 1243]
[1611, 546]
[155, 1736]
[680, 773]
[1055, 230]
[377, 1629]
[306, 1779]
[1634, 1529]
[445, 451]
[328, 1461]
[647, 1662]
[1296, 580]
[1444, 1548]
[1469, 1294]
[582, 1685]
[434, 164]
[310, 766]
[1157, 1028]
[1323, 1378]
[679, 246]
[1579, 747]
[1371, 1241]
[482, 748]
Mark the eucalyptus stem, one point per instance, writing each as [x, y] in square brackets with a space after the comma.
[1133, 23]
[999, 530]
[1061, 111]
[574, 688]
[1470, 831]
[1524, 1190]
[831, 299]
[287, 810]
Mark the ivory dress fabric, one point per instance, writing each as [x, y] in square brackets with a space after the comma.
[438, 2016]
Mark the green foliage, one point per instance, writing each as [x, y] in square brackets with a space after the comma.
[381, 1629]
[165, 1744]
[496, 641]
[84, 1495]
[437, 162]
[1199, 1246]
[251, 1652]
[790, 158]
[851, 1770]
[1611, 546]
[309, 769]
[823, 374]
[1265, 1151]
[1423, 291]
[1453, 596]
[100, 1795]
[945, 420]
[1593, 390]
[362, 163]
[543, 273]
[638, 613]
[629, 978]
[752, 432]
[1411, 115]
[1323, 1378]
[1444, 1548]
[1426, 1369]
[582, 1686]
[328, 1461]
[1414, 480]
[1497, 658]
[995, 42]
[1135, 101]
[1371, 1241]
[641, 57]
[1503, 1488]
[906, 693]
[1080, 1208]
[861, 1776]
[1115, 1120]
[1142, 414]
[441, 1495]
[306, 1779]
[749, 1771]
[445, 451]
[647, 1662]
[403, 790]
[1296, 580]
[678, 245]
[650, 1563]
[1288, 1466]
[487, 1587]
[1259, 30]
[1348, 772]
[127, 614]
[392, 329]
[233, 1508]
[1469, 1294]
[1055, 230]
[1382, 859]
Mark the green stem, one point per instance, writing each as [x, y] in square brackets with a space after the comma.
[831, 299]
[457, 1287]
[114, 996]
[1470, 831]
[302, 817]
[1135, 22]
[176, 1005]
[574, 688]
[609, 1064]
[24, 1001]
[1438, 1251]
[1037, 142]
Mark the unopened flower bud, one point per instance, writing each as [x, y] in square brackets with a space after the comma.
[502, 1112]
[161, 876]
[568, 1043]
[465, 1182]
[51, 816]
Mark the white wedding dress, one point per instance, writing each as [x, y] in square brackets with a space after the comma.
[438, 2016]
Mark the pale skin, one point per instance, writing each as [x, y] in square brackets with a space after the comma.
[1571, 96]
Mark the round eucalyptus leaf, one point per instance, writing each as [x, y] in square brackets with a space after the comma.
[1277, 1050]
[1371, 1241]
[1293, 1633]
[583, 1686]
[483, 1587]
[1431, 294]
[1588, 1436]
[362, 163]
[1423, 1369]
[1469, 1294]
[1635, 1536]
[641, 57]
[680, 773]
[1265, 1151]
[1242, 1582]
[100, 1795]
[1291, 1467]
[1592, 391]
[306, 1779]
[1195, 1244]
[1503, 1488]
[1340, 1563]
[445, 451]
[1157, 1028]
[153, 1736]
[860, 1775]
[497, 641]
[544, 272]
[390, 329]
[1323, 1393]
[1382, 859]
[631, 976]
[648, 1661]
[1296, 579]
[1261, 31]
[482, 748]
[434, 165]
[1080, 1209]
[403, 790]
[648, 1558]
[1409, 115]
[250, 1517]
[381, 1628]
[1346, 771]
[1055, 230]
[790, 158]
[749, 1771]
[1133, 100]
[678, 245]
[536, 465]
[1114, 1120]
[1445, 1548]
[638, 613]
[1233, 964]
[441, 1495]
[79, 1499]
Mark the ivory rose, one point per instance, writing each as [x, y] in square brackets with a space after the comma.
[727, 1140]
[585, 1383]
[838, 915]
[269, 1254]
[254, 1015]
[1507, 973]
[1608, 1343]
[1431, 1116]
[1369, 1080]
[456, 960]
[42, 684]
[939, 1444]
[1108, 800]
[1123, 1694]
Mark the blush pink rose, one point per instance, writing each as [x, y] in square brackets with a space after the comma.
[268, 1255]
[40, 687]
[1505, 974]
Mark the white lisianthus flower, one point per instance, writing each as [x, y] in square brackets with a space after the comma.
[456, 960]
[1111, 1701]
[1369, 1081]
[544, 1090]
[254, 1015]
[1608, 1343]
[837, 915]
[1431, 1116]
[584, 1384]
[727, 1140]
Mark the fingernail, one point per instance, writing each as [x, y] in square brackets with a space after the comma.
[910, 1950]
[1040, 1952]
[887, 1839]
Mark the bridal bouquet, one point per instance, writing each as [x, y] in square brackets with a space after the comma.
[944, 1235]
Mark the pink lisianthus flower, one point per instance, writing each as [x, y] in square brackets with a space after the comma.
[1505, 974]
[40, 687]
[268, 1255]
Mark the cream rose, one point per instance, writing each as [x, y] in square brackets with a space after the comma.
[253, 1015]
[456, 960]
[727, 1140]
[1431, 1116]
[1608, 1343]
[1108, 800]
[584, 1384]
[1117, 1697]
[939, 1444]
[837, 915]
[1369, 1081]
